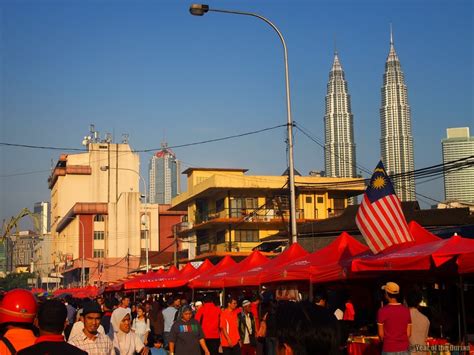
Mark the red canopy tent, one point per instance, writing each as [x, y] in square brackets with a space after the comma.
[330, 259]
[216, 280]
[466, 263]
[415, 257]
[224, 264]
[186, 274]
[86, 292]
[61, 291]
[454, 246]
[117, 286]
[78, 292]
[252, 277]
[140, 281]
[420, 234]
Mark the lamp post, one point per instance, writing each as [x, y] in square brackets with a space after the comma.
[83, 250]
[143, 220]
[200, 10]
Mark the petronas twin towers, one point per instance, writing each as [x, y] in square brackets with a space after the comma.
[396, 138]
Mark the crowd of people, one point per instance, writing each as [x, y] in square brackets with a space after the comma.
[174, 326]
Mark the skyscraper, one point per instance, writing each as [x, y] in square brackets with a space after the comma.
[458, 184]
[163, 172]
[43, 213]
[339, 152]
[395, 118]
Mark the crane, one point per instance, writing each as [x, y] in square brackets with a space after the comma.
[12, 224]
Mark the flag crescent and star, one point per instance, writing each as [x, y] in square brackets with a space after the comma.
[380, 217]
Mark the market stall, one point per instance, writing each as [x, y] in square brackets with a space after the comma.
[216, 279]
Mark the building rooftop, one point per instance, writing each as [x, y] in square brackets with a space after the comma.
[189, 171]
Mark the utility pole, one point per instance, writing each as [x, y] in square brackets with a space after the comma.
[128, 261]
[175, 246]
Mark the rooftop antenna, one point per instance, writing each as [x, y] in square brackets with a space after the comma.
[125, 137]
[391, 34]
[335, 46]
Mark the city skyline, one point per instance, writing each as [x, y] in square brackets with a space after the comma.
[68, 66]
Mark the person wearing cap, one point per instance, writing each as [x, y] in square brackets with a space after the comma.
[90, 339]
[197, 305]
[247, 329]
[394, 323]
[186, 335]
[52, 319]
[17, 313]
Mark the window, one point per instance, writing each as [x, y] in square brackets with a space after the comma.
[239, 205]
[309, 199]
[220, 237]
[99, 218]
[246, 235]
[143, 234]
[99, 253]
[320, 199]
[99, 235]
[283, 202]
[220, 205]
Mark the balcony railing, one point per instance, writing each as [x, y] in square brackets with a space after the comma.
[225, 247]
[246, 214]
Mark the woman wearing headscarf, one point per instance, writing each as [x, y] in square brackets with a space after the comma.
[186, 335]
[126, 341]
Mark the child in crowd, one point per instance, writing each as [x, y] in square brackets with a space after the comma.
[158, 348]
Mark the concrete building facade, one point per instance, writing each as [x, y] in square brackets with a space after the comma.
[458, 184]
[230, 212]
[96, 209]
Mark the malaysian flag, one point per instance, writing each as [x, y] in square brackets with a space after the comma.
[380, 217]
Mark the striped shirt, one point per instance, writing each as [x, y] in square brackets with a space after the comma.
[99, 345]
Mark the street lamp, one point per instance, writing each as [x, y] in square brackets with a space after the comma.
[200, 10]
[143, 221]
[83, 249]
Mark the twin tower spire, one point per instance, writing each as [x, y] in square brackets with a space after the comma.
[396, 140]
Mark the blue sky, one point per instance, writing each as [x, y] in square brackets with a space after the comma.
[150, 69]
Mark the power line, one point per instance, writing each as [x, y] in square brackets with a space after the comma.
[216, 139]
[17, 145]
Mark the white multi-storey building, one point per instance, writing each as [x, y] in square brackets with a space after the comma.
[458, 184]
[396, 138]
[97, 216]
[339, 147]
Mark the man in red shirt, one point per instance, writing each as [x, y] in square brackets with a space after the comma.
[394, 323]
[229, 325]
[208, 316]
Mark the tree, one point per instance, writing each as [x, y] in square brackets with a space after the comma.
[15, 280]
